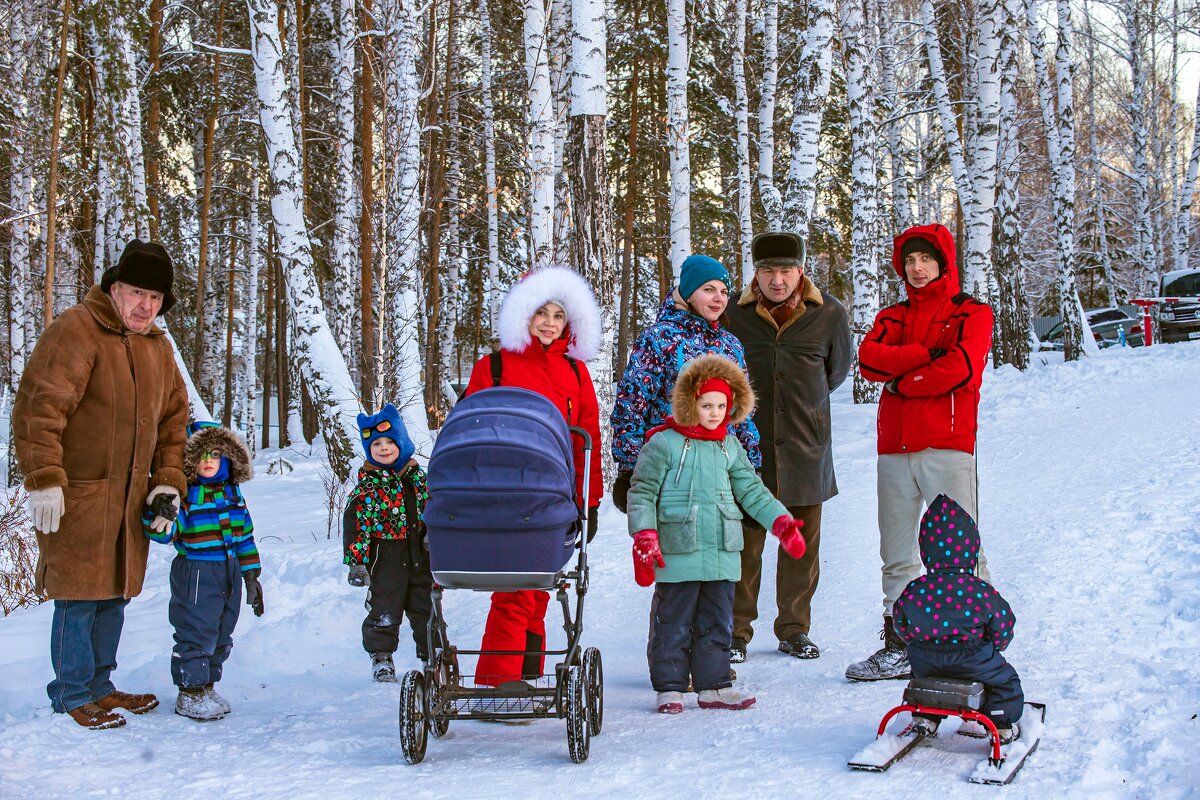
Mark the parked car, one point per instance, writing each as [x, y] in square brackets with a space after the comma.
[1178, 322]
[1107, 325]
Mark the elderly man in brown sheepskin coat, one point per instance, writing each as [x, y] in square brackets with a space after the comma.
[99, 425]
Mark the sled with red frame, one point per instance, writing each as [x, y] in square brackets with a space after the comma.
[941, 697]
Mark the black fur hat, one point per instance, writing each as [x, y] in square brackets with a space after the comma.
[147, 266]
[777, 249]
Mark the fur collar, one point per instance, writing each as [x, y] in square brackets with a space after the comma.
[551, 285]
[232, 447]
[700, 369]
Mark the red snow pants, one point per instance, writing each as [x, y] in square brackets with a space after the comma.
[516, 621]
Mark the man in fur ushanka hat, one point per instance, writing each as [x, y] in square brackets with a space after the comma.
[214, 539]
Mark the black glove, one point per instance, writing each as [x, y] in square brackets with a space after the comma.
[936, 353]
[358, 575]
[620, 491]
[593, 522]
[891, 386]
[254, 593]
[163, 506]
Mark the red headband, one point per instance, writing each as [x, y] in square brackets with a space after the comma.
[716, 385]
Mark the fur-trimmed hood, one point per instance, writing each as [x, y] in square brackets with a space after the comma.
[558, 285]
[696, 372]
[232, 446]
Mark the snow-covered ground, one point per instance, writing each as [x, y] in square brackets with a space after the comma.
[1090, 512]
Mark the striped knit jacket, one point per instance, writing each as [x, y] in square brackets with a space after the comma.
[212, 523]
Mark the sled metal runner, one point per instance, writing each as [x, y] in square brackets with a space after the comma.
[572, 691]
[955, 699]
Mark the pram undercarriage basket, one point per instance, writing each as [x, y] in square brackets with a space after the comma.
[502, 517]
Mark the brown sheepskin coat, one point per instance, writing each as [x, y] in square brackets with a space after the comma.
[102, 413]
[696, 372]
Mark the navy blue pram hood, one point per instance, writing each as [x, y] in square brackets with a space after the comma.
[502, 486]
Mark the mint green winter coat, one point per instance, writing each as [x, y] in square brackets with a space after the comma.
[686, 490]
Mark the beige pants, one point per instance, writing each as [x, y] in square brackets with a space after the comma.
[907, 484]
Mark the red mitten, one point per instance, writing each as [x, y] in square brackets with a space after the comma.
[788, 531]
[646, 556]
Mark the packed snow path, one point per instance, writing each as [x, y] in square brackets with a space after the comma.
[1090, 514]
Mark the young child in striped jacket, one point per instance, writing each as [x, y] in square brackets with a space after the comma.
[214, 538]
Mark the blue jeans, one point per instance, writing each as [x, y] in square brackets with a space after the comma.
[205, 600]
[83, 648]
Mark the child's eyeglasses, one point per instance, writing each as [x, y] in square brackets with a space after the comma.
[214, 454]
[381, 427]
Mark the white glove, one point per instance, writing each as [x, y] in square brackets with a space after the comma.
[161, 524]
[46, 507]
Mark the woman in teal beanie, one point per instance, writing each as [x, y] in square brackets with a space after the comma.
[688, 325]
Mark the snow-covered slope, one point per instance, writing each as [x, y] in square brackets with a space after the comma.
[1090, 513]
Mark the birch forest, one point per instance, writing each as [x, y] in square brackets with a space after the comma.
[348, 187]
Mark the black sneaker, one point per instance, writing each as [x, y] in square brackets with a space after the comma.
[799, 646]
[737, 651]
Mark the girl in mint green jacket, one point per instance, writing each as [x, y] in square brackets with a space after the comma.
[691, 477]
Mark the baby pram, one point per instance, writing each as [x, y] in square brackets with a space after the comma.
[501, 516]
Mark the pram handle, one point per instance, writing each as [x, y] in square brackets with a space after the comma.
[587, 472]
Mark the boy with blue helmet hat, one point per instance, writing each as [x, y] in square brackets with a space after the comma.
[383, 533]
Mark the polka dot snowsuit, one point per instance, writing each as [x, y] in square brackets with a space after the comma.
[956, 624]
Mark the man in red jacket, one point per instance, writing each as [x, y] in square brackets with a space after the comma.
[930, 352]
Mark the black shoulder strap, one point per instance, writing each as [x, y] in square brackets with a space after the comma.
[497, 366]
[574, 368]
[961, 298]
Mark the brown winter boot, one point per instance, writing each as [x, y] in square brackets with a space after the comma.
[137, 703]
[92, 716]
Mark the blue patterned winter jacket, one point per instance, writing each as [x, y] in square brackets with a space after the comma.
[643, 397]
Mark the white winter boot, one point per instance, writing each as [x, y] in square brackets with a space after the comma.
[221, 701]
[727, 698]
[670, 702]
[198, 703]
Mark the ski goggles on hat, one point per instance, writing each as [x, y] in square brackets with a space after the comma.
[383, 426]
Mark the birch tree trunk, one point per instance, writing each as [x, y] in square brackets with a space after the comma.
[677, 133]
[975, 177]
[1059, 121]
[767, 191]
[249, 353]
[489, 155]
[122, 166]
[21, 37]
[587, 146]
[402, 369]
[1097, 191]
[48, 294]
[541, 136]
[345, 254]
[314, 348]
[1012, 343]
[814, 75]
[559, 34]
[858, 56]
[203, 351]
[901, 180]
[1132, 13]
[369, 372]
[774, 205]
[1183, 220]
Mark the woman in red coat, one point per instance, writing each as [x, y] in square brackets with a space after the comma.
[549, 326]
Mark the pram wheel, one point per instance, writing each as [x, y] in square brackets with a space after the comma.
[414, 722]
[437, 678]
[593, 671]
[579, 731]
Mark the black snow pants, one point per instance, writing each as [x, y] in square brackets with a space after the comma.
[1003, 700]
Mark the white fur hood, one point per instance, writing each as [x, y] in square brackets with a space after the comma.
[558, 285]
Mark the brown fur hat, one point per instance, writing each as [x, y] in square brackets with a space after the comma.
[696, 372]
[231, 445]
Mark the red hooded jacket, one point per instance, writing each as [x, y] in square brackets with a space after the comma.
[548, 372]
[936, 401]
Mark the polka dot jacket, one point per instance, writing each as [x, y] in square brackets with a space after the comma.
[948, 607]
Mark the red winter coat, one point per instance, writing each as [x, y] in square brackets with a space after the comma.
[936, 401]
[548, 372]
